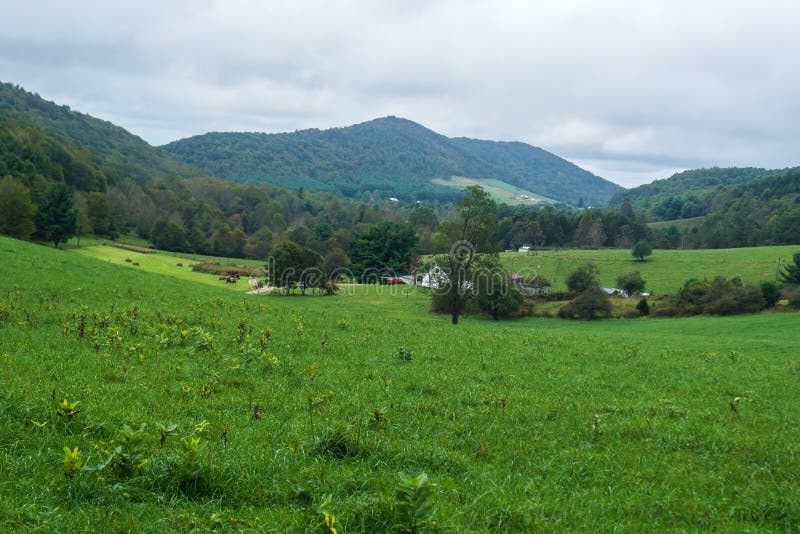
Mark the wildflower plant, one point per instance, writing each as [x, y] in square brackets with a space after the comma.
[72, 462]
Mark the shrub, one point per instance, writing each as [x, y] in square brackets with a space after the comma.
[496, 295]
[631, 282]
[721, 296]
[643, 307]
[590, 304]
[583, 278]
[771, 293]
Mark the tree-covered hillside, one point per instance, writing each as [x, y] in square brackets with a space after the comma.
[121, 184]
[681, 195]
[765, 211]
[77, 141]
[389, 157]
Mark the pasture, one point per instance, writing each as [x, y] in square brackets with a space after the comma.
[307, 408]
[501, 192]
[165, 264]
[665, 271]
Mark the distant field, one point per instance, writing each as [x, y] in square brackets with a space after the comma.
[501, 192]
[166, 264]
[297, 407]
[665, 271]
[680, 224]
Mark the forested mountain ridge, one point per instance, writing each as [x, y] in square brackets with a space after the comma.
[78, 141]
[121, 184]
[681, 195]
[387, 157]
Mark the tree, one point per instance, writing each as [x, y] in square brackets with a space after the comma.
[583, 278]
[293, 264]
[383, 248]
[424, 216]
[99, 214]
[167, 235]
[631, 282]
[17, 211]
[333, 266]
[57, 218]
[791, 273]
[771, 293]
[593, 303]
[626, 210]
[469, 232]
[641, 249]
[496, 294]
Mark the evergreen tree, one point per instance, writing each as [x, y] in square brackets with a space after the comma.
[791, 274]
[57, 218]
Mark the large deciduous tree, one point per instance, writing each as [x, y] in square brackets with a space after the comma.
[16, 209]
[292, 264]
[469, 232]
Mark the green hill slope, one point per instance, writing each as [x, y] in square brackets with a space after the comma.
[679, 196]
[388, 157]
[80, 144]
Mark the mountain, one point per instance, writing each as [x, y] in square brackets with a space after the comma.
[124, 185]
[680, 196]
[81, 144]
[388, 157]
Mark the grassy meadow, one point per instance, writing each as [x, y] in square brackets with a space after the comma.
[166, 264]
[501, 192]
[665, 271]
[275, 414]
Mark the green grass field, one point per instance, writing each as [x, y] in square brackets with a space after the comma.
[665, 271]
[531, 425]
[166, 264]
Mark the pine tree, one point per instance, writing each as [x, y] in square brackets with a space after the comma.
[57, 219]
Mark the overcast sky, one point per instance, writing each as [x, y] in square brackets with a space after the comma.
[631, 90]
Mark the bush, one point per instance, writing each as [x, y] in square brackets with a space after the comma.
[593, 303]
[583, 278]
[721, 296]
[771, 293]
[643, 307]
[497, 296]
[631, 282]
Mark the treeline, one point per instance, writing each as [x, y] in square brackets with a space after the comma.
[682, 195]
